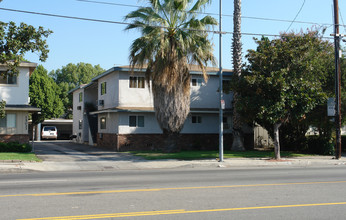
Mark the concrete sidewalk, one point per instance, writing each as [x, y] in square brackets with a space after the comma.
[65, 156]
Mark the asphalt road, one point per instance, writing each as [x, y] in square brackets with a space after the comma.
[223, 193]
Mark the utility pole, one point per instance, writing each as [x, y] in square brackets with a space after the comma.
[337, 37]
[220, 88]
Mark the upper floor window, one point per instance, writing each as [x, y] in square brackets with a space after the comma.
[7, 79]
[80, 97]
[136, 121]
[196, 119]
[9, 121]
[137, 82]
[80, 124]
[103, 88]
[196, 81]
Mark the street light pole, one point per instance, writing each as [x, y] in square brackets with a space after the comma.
[220, 88]
[337, 81]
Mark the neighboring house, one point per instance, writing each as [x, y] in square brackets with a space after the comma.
[15, 91]
[116, 111]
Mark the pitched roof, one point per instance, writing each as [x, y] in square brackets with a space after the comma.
[194, 70]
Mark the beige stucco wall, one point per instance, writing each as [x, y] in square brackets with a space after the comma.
[77, 115]
[133, 97]
[111, 123]
[17, 94]
[111, 98]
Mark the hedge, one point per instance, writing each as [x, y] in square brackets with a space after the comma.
[15, 147]
[320, 145]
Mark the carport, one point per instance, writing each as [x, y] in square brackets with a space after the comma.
[64, 127]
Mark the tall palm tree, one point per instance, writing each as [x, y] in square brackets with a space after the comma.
[172, 38]
[238, 139]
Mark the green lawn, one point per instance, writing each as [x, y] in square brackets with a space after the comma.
[196, 155]
[19, 156]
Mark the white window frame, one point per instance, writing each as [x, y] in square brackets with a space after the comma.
[103, 91]
[7, 78]
[80, 97]
[196, 82]
[105, 123]
[80, 124]
[137, 124]
[134, 82]
[6, 120]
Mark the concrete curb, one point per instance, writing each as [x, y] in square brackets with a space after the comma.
[103, 165]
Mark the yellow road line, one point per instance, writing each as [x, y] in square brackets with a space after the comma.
[164, 189]
[178, 211]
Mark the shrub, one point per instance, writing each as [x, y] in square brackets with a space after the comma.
[343, 143]
[15, 147]
[320, 145]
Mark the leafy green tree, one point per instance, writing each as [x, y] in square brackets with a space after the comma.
[44, 93]
[283, 80]
[318, 118]
[70, 76]
[172, 38]
[16, 41]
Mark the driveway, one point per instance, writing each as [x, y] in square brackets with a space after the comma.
[67, 151]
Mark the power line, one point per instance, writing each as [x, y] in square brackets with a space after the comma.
[126, 23]
[342, 19]
[109, 3]
[63, 16]
[116, 22]
[215, 14]
[296, 15]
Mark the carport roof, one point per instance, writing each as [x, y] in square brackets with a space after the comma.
[28, 108]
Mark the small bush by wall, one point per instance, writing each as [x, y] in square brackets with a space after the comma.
[15, 147]
[343, 143]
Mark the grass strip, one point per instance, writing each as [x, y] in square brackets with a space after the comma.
[19, 157]
[197, 155]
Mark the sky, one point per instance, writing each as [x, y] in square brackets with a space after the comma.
[107, 44]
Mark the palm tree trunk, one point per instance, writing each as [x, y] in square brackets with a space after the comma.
[238, 139]
[171, 110]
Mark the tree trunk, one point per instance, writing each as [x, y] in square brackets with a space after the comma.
[171, 110]
[171, 143]
[238, 137]
[277, 141]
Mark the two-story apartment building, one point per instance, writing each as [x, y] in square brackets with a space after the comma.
[116, 111]
[15, 91]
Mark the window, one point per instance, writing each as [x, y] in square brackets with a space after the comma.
[80, 97]
[103, 123]
[103, 88]
[196, 119]
[80, 125]
[196, 82]
[9, 121]
[136, 121]
[137, 82]
[7, 79]
[226, 86]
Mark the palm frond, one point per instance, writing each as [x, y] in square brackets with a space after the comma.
[199, 5]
